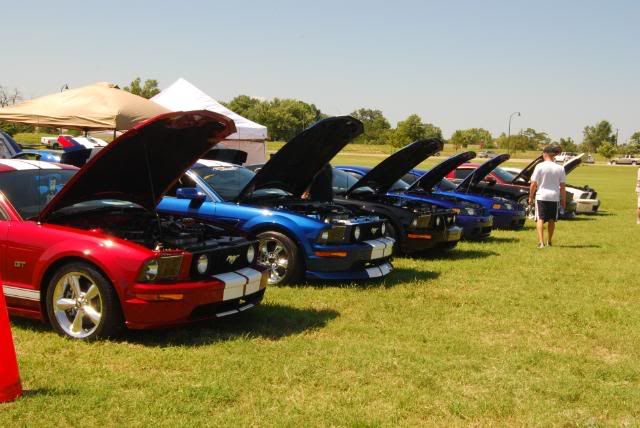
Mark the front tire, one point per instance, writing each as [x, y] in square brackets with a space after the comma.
[280, 254]
[82, 304]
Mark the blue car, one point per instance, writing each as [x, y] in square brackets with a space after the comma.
[298, 237]
[9, 149]
[475, 221]
[506, 213]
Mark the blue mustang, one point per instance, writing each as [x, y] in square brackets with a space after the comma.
[475, 221]
[297, 237]
[506, 213]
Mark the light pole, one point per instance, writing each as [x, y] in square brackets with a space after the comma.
[515, 113]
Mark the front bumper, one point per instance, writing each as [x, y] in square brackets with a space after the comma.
[421, 241]
[150, 305]
[508, 219]
[587, 206]
[367, 259]
[475, 227]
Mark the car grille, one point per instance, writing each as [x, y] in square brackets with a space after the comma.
[225, 259]
[368, 231]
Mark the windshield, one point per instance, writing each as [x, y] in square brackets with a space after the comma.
[503, 175]
[30, 190]
[446, 186]
[229, 181]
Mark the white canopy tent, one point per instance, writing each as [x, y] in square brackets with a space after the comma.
[250, 136]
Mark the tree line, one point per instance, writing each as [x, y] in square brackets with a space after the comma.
[286, 117]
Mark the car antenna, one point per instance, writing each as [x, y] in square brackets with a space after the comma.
[153, 192]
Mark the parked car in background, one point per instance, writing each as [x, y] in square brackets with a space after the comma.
[299, 238]
[626, 160]
[39, 155]
[588, 159]
[585, 198]
[487, 154]
[417, 225]
[490, 179]
[565, 156]
[506, 213]
[85, 249]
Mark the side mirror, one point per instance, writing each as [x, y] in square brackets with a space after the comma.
[196, 196]
[490, 180]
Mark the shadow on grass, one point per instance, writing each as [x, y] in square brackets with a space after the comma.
[267, 321]
[582, 218]
[453, 254]
[497, 240]
[398, 276]
[49, 392]
[578, 246]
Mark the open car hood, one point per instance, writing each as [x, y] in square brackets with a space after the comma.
[482, 171]
[527, 171]
[572, 164]
[438, 172]
[386, 173]
[525, 175]
[296, 164]
[143, 163]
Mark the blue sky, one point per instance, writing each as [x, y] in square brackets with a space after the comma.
[458, 64]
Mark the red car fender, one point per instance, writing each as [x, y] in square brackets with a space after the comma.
[119, 261]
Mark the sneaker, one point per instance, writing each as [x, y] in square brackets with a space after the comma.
[540, 245]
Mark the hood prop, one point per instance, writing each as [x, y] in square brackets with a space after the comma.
[153, 193]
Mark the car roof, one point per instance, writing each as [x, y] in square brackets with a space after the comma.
[7, 165]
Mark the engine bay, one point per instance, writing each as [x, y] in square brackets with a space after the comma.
[147, 229]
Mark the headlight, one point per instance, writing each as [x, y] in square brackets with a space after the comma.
[162, 268]
[383, 229]
[509, 206]
[251, 254]
[469, 211]
[356, 232]
[203, 264]
[334, 235]
[150, 270]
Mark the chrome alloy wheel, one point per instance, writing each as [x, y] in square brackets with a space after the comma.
[77, 304]
[274, 255]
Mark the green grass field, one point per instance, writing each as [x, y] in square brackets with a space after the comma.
[492, 333]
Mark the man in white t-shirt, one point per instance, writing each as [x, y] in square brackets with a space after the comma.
[548, 189]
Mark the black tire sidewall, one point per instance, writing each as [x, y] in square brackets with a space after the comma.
[112, 321]
[295, 265]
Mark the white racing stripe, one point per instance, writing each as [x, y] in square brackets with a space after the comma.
[233, 285]
[240, 283]
[374, 272]
[21, 293]
[254, 279]
[382, 247]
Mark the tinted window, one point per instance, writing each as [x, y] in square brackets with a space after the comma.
[343, 181]
[463, 173]
[30, 190]
[410, 178]
[504, 175]
[227, 181]
[446, 185]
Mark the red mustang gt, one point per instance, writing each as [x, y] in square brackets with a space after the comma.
[86, 250]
